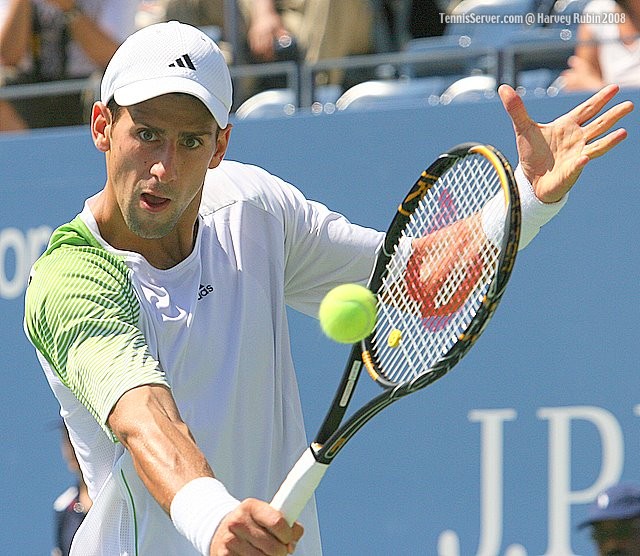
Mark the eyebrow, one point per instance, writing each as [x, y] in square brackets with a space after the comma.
[162, 131]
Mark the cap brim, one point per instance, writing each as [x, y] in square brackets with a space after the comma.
[140, 91]
[610, 516]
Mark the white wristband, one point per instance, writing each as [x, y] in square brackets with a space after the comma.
[535, 213]
[198, 508]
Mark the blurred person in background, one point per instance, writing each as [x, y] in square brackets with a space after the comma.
[614, 519]
[318, 29]
[608, 50]
[205, 14]
[53, 40]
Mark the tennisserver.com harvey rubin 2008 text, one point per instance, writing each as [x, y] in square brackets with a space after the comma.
[534, 18]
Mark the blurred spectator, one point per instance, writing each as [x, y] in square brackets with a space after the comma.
[321, 29]
[73, 504]
[54, 40]
[150, 12]
[606, 52]
[198, 13]
[202, 14]
[614, 519]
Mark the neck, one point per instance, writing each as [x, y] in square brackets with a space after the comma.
[162, 253]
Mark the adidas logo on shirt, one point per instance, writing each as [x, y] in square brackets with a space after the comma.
[184, 62]
[204, 291]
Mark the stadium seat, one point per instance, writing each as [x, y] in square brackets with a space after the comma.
[283, 102]
[470, 89]
[395, 93]
[567, 8]
[269, 103]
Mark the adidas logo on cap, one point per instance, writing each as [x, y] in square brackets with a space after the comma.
[184, 62]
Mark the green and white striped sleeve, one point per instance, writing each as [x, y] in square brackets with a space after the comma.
[81, 314]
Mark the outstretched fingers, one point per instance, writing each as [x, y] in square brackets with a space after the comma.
[599, 141]
[582, 113]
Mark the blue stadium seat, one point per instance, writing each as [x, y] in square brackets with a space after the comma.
[283, 102]
[567, 8]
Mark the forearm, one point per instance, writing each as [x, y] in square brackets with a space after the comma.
[15, 33]
[163, 450]
[170, 464]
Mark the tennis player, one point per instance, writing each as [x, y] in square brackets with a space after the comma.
[158, 313]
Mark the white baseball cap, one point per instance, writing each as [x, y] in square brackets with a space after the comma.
[169, 57]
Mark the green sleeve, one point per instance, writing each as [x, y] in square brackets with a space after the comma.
[81, 314]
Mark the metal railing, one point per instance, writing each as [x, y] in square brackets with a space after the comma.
[503, 64]
[300, 77]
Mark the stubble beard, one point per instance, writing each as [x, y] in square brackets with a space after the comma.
[149, 228]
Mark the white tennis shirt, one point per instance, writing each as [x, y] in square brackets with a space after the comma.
[213, 328]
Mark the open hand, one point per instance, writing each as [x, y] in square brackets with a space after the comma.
[553, 155]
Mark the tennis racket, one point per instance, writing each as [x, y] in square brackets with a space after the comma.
[445, 263]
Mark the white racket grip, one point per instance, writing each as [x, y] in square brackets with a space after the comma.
[299, 486]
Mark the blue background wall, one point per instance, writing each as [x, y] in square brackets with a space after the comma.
[501, 455]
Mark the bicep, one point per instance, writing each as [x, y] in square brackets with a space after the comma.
[137, 408]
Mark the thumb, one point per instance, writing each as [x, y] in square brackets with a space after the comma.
[515, 108]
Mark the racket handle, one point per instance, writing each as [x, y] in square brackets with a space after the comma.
[299, 486]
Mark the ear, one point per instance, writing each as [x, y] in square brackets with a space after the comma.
[101, 126]
[222, 142]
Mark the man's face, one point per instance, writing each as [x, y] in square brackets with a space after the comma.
[159, 153]
[617, 537]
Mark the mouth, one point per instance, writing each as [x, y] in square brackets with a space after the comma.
[153, 203]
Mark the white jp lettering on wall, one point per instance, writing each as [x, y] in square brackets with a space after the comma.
[18, 252]
[560, 495]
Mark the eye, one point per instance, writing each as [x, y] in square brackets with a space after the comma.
[147, 135]
[191, 142]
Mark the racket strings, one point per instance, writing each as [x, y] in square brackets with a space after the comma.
[440, 271]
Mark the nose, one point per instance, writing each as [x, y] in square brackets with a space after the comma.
[165, 166]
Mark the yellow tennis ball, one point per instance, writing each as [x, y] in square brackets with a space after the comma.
[348, 313]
